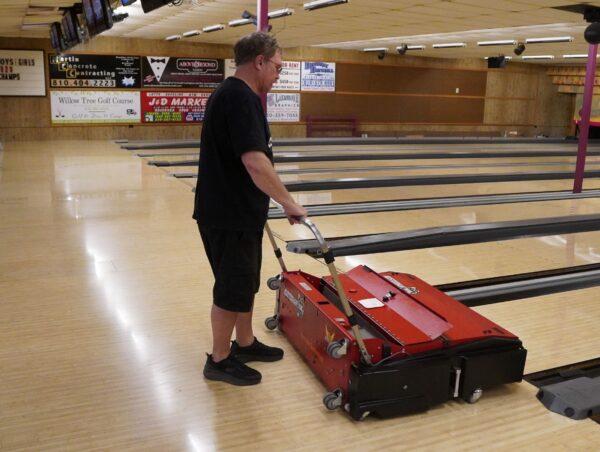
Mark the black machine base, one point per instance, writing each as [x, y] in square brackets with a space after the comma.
[416, 384]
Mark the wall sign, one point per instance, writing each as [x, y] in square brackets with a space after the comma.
[94, 71]
[318, 76]
[283, 107]
[173, 106]
[229, 67]
[22, 73]
[181, 72]
[92, 107]
[289, 79]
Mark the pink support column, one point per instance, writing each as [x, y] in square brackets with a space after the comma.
[584, 124]
[262, 24]
[262, 15]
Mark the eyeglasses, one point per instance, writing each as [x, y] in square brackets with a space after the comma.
[278, 67]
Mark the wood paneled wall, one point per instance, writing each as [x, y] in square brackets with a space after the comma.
[395, 96]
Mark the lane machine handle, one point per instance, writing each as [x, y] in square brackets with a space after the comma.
[329, 260]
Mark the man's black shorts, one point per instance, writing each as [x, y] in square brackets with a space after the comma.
[235, 258]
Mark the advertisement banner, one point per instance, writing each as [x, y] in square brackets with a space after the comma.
[93, 107]
[94, 71]
[318, 76]
[289, 79]
[283, 107]
[183, 72]
[22, 73]
[173, 106]
[229, 67]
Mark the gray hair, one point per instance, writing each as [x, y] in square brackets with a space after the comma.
[253, 45]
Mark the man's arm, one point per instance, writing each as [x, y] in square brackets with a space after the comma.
[266, 179]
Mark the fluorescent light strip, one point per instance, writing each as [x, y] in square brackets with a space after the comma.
[506, 58]
[449, 45]
[375, 49]
[318, 4]
[239, 22]
[547, 40]
[281, 13]
[212, 28]
[538, 57]
[414, 47]
[173, 38]
[506, 42]
[191, 33]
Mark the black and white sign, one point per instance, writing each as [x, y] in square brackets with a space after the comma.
[93, 107]
[181, 72]
[22, 73]
[318, 76]
[283, 107]
[289, 78]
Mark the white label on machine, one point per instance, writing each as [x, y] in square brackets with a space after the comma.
[371, 303]
[305, 286]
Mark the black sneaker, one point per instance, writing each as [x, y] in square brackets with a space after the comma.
[257, 351]
[232, 371]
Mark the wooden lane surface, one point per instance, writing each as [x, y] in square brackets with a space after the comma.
[105, 321]
[287, 173]
[321, 149]
[379, 222]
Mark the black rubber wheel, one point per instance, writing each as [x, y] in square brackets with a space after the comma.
[332, 400]
[333, 349]
[475, 396]
[274, 283]
[271, 323]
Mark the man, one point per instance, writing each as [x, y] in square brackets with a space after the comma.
[235, 180]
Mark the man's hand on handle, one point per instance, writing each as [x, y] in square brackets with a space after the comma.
[294, 212]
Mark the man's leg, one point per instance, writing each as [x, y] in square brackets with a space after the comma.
[244, 335]
[222, 322]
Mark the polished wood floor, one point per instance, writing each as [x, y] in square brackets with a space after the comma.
[105, 294]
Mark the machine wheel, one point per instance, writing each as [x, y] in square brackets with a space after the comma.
[336, 349]
[333, 400]
[274, 282]
[475, 395]
[272, 323]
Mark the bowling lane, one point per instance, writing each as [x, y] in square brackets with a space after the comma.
[313, 172]
[379, 222]
[433, 191]
[449, 264]
[539, 322]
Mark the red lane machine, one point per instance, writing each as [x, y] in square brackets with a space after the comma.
[388, 343]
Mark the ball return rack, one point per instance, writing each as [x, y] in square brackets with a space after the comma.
[388, 344]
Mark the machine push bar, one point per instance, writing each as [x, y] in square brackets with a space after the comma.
[329, 260]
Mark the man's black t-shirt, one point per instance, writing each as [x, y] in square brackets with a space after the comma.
[234, 123]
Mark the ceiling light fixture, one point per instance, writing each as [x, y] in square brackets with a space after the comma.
[416, 47]
[505, 42]
[173, 38]
[449, 45]
[240, 22]
[538, 57]
[318, 4]
[281, 13]
[375, 49]
[191, 33]
[505, 57]
[549, 40]
[212, 28]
